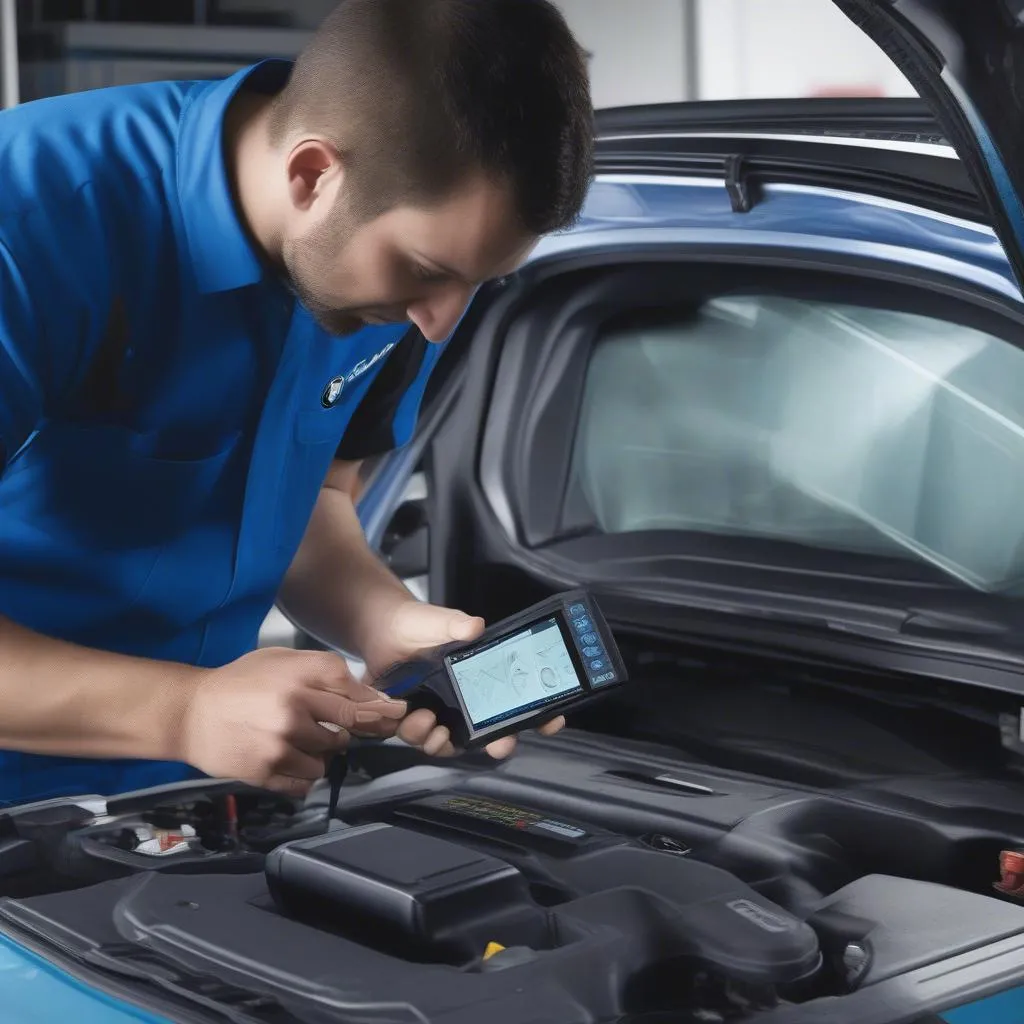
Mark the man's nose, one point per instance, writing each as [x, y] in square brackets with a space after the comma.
[437, 314]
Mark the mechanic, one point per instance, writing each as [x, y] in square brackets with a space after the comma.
[216, 299]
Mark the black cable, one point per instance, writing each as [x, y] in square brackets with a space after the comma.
[336, 772]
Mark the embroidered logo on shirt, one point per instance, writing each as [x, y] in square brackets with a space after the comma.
[332, 391]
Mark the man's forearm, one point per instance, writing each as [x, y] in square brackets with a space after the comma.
[337, 589]
[59, 698]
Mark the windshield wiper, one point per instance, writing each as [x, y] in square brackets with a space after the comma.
[958, 632]
[928, 622]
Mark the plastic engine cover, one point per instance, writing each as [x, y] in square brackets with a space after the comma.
[438, 899]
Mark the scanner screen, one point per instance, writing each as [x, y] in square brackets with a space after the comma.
[516, 674]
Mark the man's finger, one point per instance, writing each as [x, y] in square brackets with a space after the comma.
[550, 728]
[416, 727]
[437, 742]
[297, 773]
[379, 717]
[420, 730]
[321, 739]
[300, 765]
[465, 627]
[418, 625]
[331, 674]
[289, 786]
[500, 749]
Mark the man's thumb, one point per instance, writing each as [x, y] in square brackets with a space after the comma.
[426, 625]
[464, 627]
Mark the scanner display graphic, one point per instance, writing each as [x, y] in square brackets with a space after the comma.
[530, 666]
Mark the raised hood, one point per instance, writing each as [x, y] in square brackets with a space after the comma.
[966, 59]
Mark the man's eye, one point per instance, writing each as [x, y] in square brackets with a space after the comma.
[426, 274]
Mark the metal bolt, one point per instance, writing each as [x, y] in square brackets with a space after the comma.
[855, 959]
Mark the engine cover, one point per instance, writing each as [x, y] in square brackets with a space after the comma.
[583, 877]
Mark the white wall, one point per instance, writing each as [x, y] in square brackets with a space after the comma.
[637, 45]
[745, 49]
[765, 48]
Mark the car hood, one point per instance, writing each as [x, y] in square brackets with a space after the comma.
[966, 60]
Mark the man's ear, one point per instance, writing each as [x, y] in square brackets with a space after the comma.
[314, 172]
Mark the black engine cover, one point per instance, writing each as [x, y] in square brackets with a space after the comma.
[584, 875]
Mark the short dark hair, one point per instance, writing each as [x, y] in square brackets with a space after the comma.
[418, 94]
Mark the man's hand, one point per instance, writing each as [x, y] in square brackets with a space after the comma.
[410, 628]
[336, 588]
[257, 718]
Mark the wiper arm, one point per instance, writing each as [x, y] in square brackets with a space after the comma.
[879, 622]
[952, 623]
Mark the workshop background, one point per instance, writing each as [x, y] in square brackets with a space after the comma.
[641, 51]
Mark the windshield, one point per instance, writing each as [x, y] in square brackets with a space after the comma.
[838, 426]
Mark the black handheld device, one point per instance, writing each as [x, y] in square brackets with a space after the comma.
[521, 672]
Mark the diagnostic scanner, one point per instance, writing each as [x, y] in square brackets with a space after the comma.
[521, 672]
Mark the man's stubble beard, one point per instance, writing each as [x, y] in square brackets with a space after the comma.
[307, 259]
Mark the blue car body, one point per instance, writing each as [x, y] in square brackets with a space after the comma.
[35, 991]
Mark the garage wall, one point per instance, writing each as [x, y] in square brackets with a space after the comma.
[765, 48]
[642, 51]
[638, 47]
[302, 13]
[743, 49]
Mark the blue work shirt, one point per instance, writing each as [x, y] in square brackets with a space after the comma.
[168, 412]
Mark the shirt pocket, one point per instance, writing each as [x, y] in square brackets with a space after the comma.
[107, 487]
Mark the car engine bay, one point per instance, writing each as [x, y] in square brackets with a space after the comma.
[593, 876]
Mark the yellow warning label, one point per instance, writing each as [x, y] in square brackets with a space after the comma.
[492, 948]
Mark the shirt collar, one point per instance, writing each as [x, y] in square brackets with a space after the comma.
[222, 255]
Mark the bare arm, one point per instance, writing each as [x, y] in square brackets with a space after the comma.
[255, 719]
[59, 698]
[336, 588]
